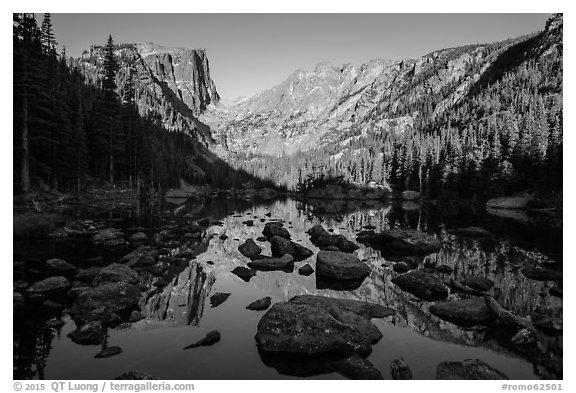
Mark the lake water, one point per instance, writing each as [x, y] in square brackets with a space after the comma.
[180, 313]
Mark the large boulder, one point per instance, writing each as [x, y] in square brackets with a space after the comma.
[323, 239]
[401, 241]
[422, 285]
[478, 283]
[268, 263]
[275, 228]
[112, 297]
[244, 273]
[281, 246]
[116, 272]
[340, 265]
[468, 369]
[315, 325]
[91, 333]
[249, 249]
[463, 312]
[49, 286]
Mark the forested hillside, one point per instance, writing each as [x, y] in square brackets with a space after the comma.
[70, 130]
[501, 134]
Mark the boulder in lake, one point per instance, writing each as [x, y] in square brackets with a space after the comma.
[467, 370]
[514, 202]
[401, 267]
[113, 297]
[109, 237]
[91, 333]
[286, 261]
[49, 286]
[466, 312]
[138, 237]
[218, 298]
[400, 370]
[275, 228]
[315, 325]
[108, 352]
[249, 249]
[211, 338]
[244, 273]
[410, 195]
[306, 270]
[324, 240]
[281, 246]
[400, 241]
[421, 285]
[340, 265]
[260, 304]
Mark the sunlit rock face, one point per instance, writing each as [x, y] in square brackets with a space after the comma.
[172, 83]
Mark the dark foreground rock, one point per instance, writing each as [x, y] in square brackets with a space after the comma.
[108, 352]
[281, 246]
[275, 228]
[260, 304]
[422, 285]
[324, 240]
[244, 273]
[468, 369]
[314, 325]
[355, 367]
[270, 263]
[306, 270]
[91, 333]
[400, 241]
[211, 338]
[340, 265]
[218, 298]
[249, 249]
[465, 312]
[93, 303]
[400, 370]
[49, 286]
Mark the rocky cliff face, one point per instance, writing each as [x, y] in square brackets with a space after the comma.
[171, 83]
[333, 104]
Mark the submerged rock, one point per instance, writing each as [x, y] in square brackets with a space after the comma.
[249, 249]
[49, 286]
[421, 285]
[463, 312]
[211, 338]
[315, 325]
[218, 298]
[244, 273]
[112, 297]
[340, 265]
[275, 228]
[270, 263]
[108, 352]
[355, 367]
[91, 333]
[401, 241]
[281, 246]
[260, 304]
[467, 370]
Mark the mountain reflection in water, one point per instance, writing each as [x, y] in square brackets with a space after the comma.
[178, 313]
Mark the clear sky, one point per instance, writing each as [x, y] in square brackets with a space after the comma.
[249, 53]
